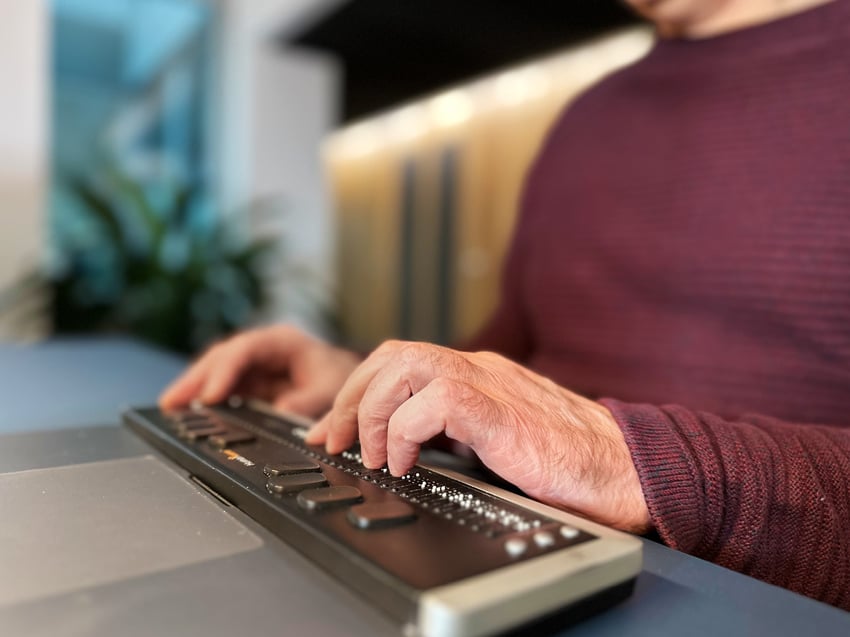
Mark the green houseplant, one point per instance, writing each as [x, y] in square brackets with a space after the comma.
[143, 264]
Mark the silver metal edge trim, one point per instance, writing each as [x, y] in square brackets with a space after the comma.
[507, 597]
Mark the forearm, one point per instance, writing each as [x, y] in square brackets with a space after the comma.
[758, 495]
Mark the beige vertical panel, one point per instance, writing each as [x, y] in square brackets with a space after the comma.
[428, 154]
[496, 156]
[366, 189]
[425, 229]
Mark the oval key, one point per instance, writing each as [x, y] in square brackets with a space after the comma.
[320, 499]
[295, 483]
[381, 515]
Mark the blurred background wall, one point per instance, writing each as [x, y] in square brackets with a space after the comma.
[178, 169]
[24, 148]
[278, 102]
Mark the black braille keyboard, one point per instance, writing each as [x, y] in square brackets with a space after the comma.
[440, 553]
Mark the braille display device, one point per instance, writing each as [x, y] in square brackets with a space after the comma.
[441, 554]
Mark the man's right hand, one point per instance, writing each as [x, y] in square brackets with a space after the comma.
[281, 365]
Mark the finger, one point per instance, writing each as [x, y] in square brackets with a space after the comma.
[268, 348]
[271, 347]
[318, 432]
[457, 408]
[335, 441]
[341, 430]
[181, 392]
[356, 384]
[187, 387]
[230, 363]
[340, 437]
[401, 369]
[415, 367]
[386, 392]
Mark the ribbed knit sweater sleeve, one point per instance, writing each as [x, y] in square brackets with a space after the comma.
[758, 495]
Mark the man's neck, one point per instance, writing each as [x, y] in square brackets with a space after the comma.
[738, 15]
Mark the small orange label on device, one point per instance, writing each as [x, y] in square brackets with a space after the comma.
[232, 455]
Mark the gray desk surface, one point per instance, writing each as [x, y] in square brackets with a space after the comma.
[54, 393]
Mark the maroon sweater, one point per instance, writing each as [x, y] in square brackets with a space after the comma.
[684, 251]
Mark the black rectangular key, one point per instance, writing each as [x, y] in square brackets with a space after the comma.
[199, 423]
[231, 437]
[201, 433]
[381, 515]
[328, 497]
[290, 466]
[296, 483]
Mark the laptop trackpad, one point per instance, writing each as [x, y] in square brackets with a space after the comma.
[75, 527]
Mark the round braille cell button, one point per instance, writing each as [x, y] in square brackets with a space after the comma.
[543, 539]
[516, 547]
[569, 532]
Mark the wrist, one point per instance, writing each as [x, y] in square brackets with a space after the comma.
[634, 512]
[628, 507]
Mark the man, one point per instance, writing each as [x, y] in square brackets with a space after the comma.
[682, 249]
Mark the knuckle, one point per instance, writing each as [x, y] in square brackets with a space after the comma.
[287, 328]
[409, 352]
[383, 352]
[434, 355]
[486, 357]
[445, 391]
[288, 332]
[249, 338]
[215, 349]
[459, 364]
[389, 346]
[398, 432]
[458, 404]
[397, 439]
[409, 356]
[236, 343]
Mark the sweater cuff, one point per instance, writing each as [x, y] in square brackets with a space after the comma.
[667, 472]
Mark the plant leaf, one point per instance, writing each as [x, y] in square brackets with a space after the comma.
[102, 210]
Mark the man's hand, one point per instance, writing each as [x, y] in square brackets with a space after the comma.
[281, 365]
[556, 446]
